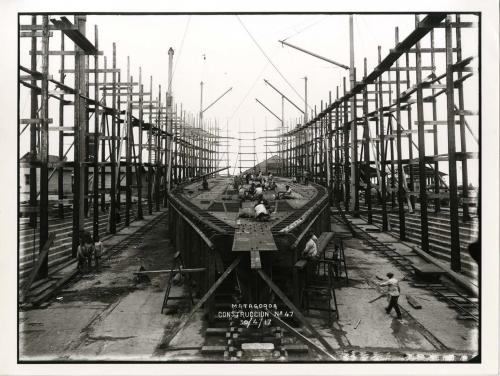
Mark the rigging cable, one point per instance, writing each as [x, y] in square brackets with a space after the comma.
[180, 49]
[270, 61]
[305, 28]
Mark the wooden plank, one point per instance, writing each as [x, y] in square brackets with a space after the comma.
[413, 302]
[255, 260]
[100, 70]
[61, 129]
[213, 349]
[163, 271]
[253, 236]
[205, 297]
[62, 53]
[35, 121]
[323, 241]
[216, 331]
[294, 309]
[33, 34]
[44, 253]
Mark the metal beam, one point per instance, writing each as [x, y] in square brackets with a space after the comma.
[272, 113]
[215, 101]
[315, 55]
[284, 96]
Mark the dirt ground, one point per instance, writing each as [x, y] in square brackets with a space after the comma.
[107, 315]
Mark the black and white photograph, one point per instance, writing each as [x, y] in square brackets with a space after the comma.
[235, 186]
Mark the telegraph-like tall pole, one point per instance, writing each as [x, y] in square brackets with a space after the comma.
[170, 120]
[305, 100]
[201, 104]
[352, 79]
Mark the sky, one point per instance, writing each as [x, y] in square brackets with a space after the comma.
[239, 52]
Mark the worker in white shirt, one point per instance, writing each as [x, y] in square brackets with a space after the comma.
[311, 247]
[393, 291]
[261, 213]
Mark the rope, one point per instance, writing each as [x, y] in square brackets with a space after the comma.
[180, 49]
[271, 62]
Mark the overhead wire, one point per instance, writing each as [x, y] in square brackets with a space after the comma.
[249, 90]
[306, 27]
[180, 49]
[270, 61]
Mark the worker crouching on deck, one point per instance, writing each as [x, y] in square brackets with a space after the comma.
[287, 194]
[258, 192]
[204, 184]
[393, 291]
[261, 211]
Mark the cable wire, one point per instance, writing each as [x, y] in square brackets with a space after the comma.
[249, 90]
[306, 27]
[180, 49]
[271, 62]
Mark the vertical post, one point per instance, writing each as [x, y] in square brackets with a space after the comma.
[345, 130]
[401, 210]
[382, 147]
[452, 156]
[390, 131]
[336, 191]
[421, 149]
[169, 117]
[86, 156]
[104, 124]
[150, 148]
[44, 146]
[139, 144]
[119, 131]
[329, 148]
[435, 131]
[128, 148]
[60, 169]
[80, 120]
[366, 141]
[158, 152]
[33, 133]
[354, 183]
[200, 136]
[95, 181]
[112, 194]
[411, 186]
[305, 101]
[463, 140]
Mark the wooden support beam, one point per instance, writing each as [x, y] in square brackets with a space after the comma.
[294, 309]
[298, 335]
[33, 34]
[42, 258]
[205, 297]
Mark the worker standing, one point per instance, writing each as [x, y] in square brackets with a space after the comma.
[393, 290]
[311, 248]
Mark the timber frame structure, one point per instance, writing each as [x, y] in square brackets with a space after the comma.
[128, 141]
[380, 125]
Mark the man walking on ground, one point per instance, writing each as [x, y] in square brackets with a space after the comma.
[394, 291]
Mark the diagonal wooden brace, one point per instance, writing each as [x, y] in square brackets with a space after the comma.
[205, 297]
[294, 309]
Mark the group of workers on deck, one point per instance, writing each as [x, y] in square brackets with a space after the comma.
[258, 184]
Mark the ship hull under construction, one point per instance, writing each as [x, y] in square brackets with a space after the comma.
[210, 233]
